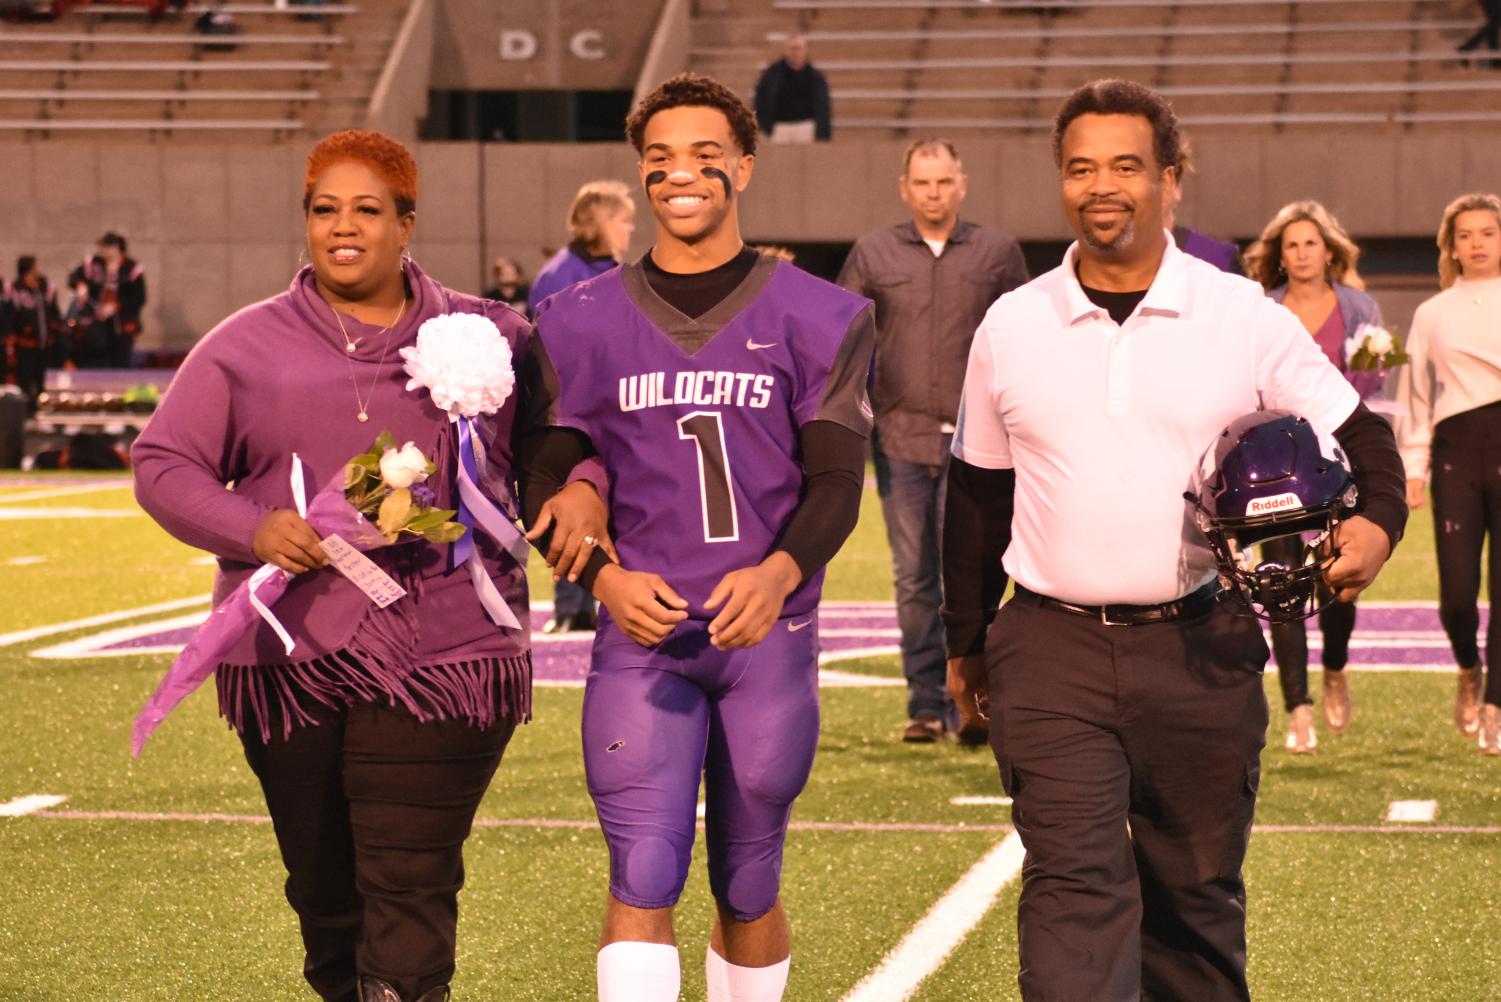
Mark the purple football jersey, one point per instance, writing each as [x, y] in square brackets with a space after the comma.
[697, 420]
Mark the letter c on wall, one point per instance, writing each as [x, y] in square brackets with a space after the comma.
[587, 44]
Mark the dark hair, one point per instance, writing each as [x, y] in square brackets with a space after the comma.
[24, 264]
[1123, 97]
[694, 90]
[113, 239]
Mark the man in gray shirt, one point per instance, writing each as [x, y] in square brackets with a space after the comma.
[932, 279]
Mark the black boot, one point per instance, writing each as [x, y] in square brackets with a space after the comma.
[376, 990]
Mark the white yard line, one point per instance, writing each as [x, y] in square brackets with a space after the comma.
[21, 636]
[59, 492]
[25, 561]
[924, 949]
[37, 514]
[22, 806]
[1417, 811]
[980, 801]
[92, 645]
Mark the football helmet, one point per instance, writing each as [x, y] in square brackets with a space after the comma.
[1267, 476]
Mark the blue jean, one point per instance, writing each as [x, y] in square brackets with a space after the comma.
[912, 505]
[571, 598]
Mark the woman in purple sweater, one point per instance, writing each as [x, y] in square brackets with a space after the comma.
[1306, 261]
[376, 738]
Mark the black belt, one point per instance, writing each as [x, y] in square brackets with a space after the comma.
[1188, 607]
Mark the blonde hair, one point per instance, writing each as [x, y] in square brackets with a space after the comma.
[593, 204]
[1448, 269]
[1264, 257]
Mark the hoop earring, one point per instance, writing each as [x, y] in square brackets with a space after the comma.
[301, 257]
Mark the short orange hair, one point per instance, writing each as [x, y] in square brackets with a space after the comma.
[390, 161]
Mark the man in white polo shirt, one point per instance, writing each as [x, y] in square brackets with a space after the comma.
[1119, 691]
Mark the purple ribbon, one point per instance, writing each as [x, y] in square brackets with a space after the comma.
[475, 509]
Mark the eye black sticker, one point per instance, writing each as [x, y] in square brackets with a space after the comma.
[655, 178]
[718, 175]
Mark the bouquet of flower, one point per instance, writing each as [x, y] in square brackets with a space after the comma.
[378, 496]
[386, 485]
[1374, 349]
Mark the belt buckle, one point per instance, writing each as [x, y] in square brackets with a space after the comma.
[1107, 621]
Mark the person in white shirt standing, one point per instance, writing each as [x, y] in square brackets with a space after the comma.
[1452, 432]
[1125, 703]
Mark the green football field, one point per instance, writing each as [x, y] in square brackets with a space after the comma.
[158, 879]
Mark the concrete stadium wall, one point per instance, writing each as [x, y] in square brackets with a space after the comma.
[218, 227]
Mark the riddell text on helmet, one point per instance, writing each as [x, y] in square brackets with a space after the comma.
[1278, 502]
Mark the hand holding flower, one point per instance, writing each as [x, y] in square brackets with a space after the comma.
[285, 539]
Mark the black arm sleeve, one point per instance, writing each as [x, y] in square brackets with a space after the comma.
[976, 532]
[833, 477]
[545, 454]
[1377, 467]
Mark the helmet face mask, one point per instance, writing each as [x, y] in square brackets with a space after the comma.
[1268, 477]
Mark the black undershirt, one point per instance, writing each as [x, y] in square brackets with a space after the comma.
[832, 456]
[696, 294]
[1119, 305]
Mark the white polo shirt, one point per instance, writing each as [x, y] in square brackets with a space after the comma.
[1105, 424]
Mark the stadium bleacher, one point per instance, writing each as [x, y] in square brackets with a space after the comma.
[899, 66]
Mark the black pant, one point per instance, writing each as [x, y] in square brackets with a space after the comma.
[1158, 727]
[371, 809]
[1290, 640]
[1466, 459]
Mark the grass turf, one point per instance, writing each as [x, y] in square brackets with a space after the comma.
[115, 909]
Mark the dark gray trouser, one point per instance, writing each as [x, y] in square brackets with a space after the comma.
[912, 506]
[1159, 728]
[371, 809]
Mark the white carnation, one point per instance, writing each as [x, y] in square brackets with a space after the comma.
[464, 362]
[1379, 341]
[403, 467]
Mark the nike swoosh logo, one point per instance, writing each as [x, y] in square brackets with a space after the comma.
[794, 627]
[753, 346]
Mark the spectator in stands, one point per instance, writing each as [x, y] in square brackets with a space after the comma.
[1451, 433]
[1306, 261]
[110, 292]
[510, 286]
[1489, 33]
[29, 10]
[31, 325]
[1221, 253]
[217, 22]
[600, 223]
[376, 736]
[792, 98]
[932, 279]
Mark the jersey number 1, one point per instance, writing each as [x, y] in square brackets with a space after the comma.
[716, 495]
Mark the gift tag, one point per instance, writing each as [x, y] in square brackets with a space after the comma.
[360, 569]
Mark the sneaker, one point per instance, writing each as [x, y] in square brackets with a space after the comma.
[1467, 701]
[925, 728]
[1490, 730]
[1301, 737]
[1337, 709]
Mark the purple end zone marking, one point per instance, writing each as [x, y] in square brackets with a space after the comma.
[565, 658]
[1383, 636]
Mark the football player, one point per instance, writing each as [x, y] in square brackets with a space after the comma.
[725, 393]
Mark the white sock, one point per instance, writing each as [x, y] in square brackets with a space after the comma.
[731, 983]
[638, 972]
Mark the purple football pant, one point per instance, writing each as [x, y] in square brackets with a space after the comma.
[654, 720]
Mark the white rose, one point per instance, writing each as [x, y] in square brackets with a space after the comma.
[403, 467]
[1379, 342]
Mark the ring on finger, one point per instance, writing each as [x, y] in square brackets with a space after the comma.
[590, 541]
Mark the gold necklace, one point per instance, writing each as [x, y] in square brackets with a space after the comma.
[362, 413]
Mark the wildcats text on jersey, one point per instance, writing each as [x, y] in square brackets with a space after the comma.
[705, 388]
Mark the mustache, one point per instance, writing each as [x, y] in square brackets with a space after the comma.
[1105, 203]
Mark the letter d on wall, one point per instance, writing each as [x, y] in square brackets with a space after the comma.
[517, 45]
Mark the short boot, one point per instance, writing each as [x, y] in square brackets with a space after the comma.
[1490, 730]
[1467, 702]
[376, 990]
[1337, 709]
[1302, 739]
